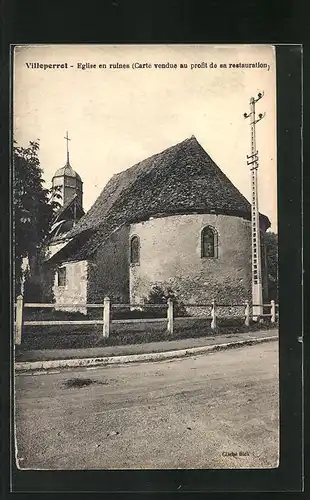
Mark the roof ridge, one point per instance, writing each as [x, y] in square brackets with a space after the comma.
[131, 182]
[158, 154]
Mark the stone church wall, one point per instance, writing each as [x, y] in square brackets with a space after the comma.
[108, 270]
[75, 290]
[170, 255]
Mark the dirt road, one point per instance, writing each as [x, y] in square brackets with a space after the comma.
[218, 410]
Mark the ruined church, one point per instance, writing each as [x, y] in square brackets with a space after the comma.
[174, 220]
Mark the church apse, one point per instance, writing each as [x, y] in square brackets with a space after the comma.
[171, 255]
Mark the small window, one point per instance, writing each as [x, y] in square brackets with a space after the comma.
[134, 250]
[208, 242]
[62, 276]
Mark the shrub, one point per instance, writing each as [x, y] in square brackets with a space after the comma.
[158, 295]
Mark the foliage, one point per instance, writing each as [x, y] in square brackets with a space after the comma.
[33, 208]
[271, 244]
[31, 288]
[38, 282]
[158, 295]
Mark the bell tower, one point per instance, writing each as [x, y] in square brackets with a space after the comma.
[67, 183]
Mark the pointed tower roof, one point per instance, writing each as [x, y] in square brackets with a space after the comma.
[67, 171]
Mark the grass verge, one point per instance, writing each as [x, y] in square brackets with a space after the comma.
[84, 336]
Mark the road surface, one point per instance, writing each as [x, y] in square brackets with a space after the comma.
[218, 410]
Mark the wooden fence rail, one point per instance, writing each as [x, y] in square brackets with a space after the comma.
[106, 320]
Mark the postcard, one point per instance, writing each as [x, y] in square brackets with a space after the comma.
[146, 275]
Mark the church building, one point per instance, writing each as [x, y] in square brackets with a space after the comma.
[173, 220]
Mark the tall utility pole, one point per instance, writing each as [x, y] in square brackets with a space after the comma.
[252, 161]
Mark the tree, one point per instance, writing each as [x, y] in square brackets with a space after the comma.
[271, 244]
[33, 210]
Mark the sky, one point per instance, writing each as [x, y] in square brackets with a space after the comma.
[118, 116]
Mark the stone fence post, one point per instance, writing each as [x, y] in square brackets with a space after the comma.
[170, 316]
[19, 320]
[106, 317]
[213, 315]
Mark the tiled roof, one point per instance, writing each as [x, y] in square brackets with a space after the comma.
[180, 179]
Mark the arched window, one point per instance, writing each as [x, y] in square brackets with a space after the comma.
[134, 250]
[208, 242]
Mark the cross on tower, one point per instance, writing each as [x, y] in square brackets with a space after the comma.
[67, 139]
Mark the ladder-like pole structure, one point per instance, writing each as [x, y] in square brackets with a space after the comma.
[252, 161]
